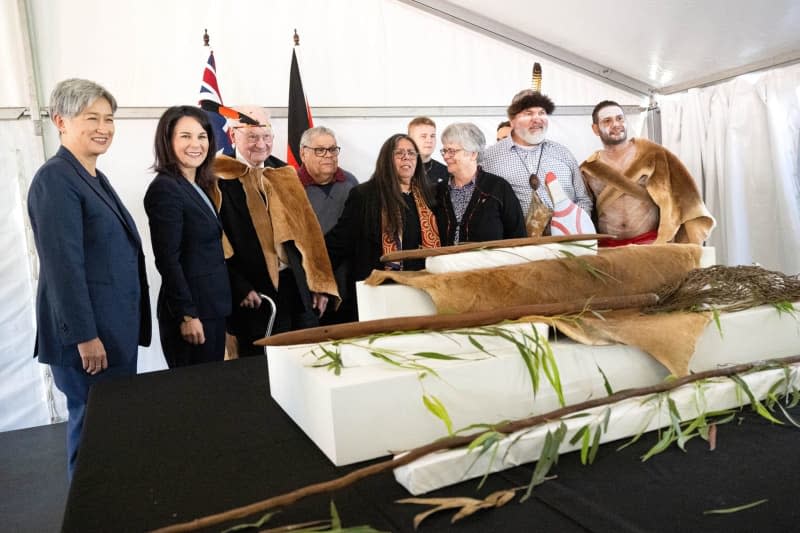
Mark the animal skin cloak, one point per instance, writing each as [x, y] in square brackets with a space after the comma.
[288, 218]
[683, 216]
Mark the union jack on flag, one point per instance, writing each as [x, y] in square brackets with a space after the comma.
[211, 103]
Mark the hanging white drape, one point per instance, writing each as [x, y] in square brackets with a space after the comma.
[740, 139]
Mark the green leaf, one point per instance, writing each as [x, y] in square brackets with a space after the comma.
[549, 457]
[788, 416]
[606, 418]
[585, 447]
[478, 345]
[336, 522]
[491, 462]
[595, 444]
[785, 307]
[579, 434]
[754, 403]
[650, 415]
[606, 384]
[715, 316]
[550, 367]
[730, 510]
[257, 524]
[667, 438]
[435, 406]
[675, 419]
[436, 355]
[485, 440]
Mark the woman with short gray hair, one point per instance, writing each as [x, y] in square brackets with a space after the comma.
[473, 205]
[92, 303]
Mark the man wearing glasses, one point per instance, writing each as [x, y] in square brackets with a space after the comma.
[327, 186]
[254, 145]
[273, 243]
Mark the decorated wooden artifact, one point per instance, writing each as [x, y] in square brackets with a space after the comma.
[568, 218]
[461, 320]
[422, 253]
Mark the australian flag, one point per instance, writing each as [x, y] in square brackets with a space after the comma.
[211, 101]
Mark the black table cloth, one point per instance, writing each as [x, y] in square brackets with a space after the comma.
[171, 446]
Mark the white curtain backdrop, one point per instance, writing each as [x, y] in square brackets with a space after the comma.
[740, 140]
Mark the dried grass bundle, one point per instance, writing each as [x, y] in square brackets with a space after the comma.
[727, 289]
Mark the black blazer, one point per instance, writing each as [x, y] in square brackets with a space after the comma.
[186, 237]
[493, 212]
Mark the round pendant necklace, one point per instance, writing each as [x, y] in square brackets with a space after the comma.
[534, 177]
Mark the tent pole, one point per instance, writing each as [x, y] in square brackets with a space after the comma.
[31, 68]
[653, 119]
[32, 75]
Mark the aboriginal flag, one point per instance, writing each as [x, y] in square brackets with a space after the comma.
[299, 114]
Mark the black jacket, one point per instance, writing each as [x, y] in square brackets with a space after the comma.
[493, 212]
[186, 237]
[356, 237]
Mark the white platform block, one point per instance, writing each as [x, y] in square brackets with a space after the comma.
[496, 257]
[746, 336]
[392, 300]
[373, 408]
[626, 419]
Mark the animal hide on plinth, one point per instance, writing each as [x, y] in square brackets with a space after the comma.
[620, 271]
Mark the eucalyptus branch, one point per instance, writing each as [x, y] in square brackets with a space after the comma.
[461, 441]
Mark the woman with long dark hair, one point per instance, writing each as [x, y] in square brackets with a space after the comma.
[195, 296]
[390, 212]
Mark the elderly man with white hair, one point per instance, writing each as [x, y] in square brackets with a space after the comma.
[254, 144]
[273, 243]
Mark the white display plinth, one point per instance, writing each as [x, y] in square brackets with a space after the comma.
[746, 336]
[392, 300]
[373, 408]
[626, 419]
[516, 255]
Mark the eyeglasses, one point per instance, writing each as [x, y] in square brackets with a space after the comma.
[253, 138]
[402, 154]
[450, 151]
[321, 151]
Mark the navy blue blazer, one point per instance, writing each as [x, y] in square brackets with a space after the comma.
[92, 278]
[187, 244]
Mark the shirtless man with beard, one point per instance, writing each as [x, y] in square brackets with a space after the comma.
[643, 194]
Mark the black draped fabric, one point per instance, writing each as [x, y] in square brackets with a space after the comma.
[171, 446]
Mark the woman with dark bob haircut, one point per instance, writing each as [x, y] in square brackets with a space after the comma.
[392, 211]
[195, 295]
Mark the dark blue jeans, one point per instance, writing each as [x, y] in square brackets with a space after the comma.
[75, 384]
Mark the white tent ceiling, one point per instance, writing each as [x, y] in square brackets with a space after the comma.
[666, 46]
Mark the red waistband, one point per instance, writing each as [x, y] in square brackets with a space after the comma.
[644, 238]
